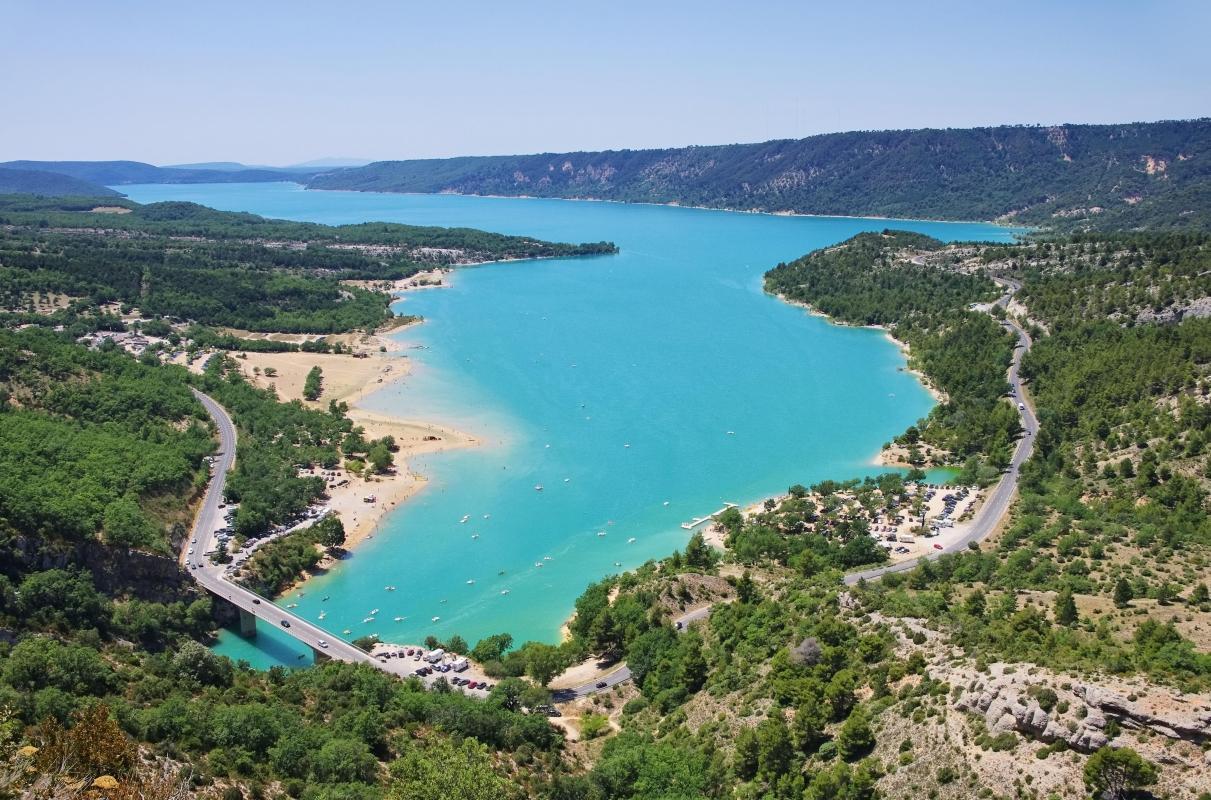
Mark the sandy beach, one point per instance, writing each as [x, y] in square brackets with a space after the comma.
[376, 362]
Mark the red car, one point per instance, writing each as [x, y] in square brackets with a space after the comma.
[937, 546]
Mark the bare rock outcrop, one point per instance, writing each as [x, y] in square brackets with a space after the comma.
[1078, 714]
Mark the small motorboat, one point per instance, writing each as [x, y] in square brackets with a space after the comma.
[470, 582]
[504, 591]
[538, 487]
[435, 619]
[631, 540]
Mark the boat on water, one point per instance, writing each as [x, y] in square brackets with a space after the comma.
[470, 582]
[465, 518]
[324, 599]
[368, 619]
[504, 591]
[666, 502]
[374, 612]
[346, 631]
[631, 540]
[475, 536]
[435, 619]
[389, 588]
[292, 605]
[601, 533]
[400, 619]
[538, 564]
[323, 614]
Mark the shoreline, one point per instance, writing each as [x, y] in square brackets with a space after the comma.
[350, 379]
[675, 204]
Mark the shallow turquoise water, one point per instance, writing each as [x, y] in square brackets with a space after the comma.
[558, 366]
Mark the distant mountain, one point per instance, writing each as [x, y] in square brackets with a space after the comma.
[115, 173]
[331, 163]
[222, 166]
[49, 184]
[1135, 174]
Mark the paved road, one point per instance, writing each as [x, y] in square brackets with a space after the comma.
[997, 505]
[212, 577]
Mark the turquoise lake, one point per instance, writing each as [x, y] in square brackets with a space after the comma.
[557, 366]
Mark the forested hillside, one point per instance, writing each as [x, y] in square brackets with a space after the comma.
[110, 173]
[1098, 176]
[105, 677]
[49, 184]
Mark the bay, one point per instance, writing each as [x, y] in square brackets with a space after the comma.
[640, 390]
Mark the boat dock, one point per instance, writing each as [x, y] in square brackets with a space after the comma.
[696, 521]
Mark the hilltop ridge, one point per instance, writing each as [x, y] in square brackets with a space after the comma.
[1068, 176]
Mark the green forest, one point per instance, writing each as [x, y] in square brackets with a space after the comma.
[190, 263]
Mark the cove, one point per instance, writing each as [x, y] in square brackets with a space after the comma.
[640, 390]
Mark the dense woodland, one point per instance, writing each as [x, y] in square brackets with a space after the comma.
[1068, 176]
[188, 262]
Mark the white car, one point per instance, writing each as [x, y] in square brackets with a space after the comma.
[322, 644]
[190, 551]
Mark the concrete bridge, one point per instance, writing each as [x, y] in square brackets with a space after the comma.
[213, 577]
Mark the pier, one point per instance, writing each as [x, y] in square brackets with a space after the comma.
[696, 521]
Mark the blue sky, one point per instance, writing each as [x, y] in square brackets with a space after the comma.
[282, 82]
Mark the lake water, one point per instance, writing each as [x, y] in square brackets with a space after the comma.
[640, 390]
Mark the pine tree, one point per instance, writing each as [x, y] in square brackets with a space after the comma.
[1065, 608]
[1122, 593]
[976, 603]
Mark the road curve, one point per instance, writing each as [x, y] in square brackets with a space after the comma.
[996, 507]
[212, 577]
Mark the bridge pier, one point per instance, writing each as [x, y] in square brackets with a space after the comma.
[247, 624]
[320, 656]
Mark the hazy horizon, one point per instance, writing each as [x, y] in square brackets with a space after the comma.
[279, 84]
